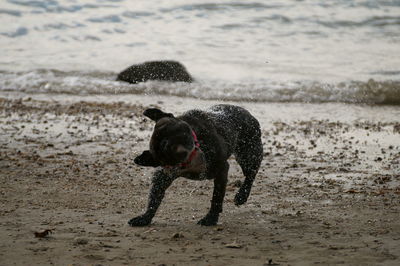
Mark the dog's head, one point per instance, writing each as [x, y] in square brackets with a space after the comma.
[171, 143]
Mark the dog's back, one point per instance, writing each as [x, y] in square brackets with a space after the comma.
[234, 123]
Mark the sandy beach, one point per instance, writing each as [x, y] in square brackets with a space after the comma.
[322, 78]
[328, 191]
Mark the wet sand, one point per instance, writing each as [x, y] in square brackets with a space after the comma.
[328, 191]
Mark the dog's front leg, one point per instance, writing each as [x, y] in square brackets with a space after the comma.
[161, 181]
[220, 180]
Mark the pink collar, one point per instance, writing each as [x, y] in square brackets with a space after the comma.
[196, 142]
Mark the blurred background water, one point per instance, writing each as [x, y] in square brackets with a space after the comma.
[285, 50]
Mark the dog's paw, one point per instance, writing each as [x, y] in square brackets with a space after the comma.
[141, 220]
[240, 199]
[209, 220]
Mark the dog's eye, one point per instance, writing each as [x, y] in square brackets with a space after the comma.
[164, 144]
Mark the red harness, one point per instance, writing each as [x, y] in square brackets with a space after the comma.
[191, 156]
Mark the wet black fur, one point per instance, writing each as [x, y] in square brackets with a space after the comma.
[155, 70]
[222, 131]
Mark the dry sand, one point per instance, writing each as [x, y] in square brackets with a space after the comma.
[328, 191]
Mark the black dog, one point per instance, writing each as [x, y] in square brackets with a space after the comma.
[197, 145]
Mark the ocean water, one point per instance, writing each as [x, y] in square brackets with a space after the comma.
[264, 51]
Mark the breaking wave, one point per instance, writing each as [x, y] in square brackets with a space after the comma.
[86, 83]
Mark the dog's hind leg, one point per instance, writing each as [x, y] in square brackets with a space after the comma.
[249, 154]
[161, 181]
[220, 179]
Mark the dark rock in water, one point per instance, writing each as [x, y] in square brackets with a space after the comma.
[155, 70]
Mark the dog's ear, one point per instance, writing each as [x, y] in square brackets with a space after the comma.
[156, 114]
[146, 159]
